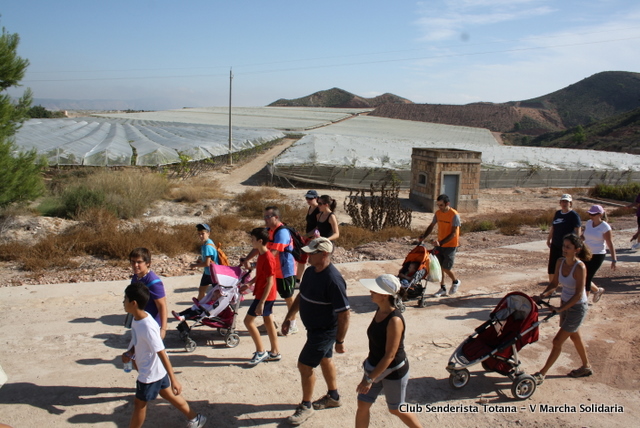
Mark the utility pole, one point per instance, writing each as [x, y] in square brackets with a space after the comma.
[230, 132]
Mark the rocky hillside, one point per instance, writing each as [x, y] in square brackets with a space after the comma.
[337, 97]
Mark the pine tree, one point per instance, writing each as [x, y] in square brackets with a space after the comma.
[20, 172]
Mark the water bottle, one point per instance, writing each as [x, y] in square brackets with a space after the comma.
[128, 366]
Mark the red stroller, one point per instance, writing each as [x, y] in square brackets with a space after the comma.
[495, 344]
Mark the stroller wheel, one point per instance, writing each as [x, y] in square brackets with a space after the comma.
[232, 340]
[422, 303]
[523, 387]
[459, 378]
[222, 331]
[190, 345]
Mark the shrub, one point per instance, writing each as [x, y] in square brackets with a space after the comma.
[477, 226]
[353, 236]
[251, 203]
[191, 191]
[620, 192]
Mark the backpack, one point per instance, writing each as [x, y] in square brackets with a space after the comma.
[296, 239]
[222, 257]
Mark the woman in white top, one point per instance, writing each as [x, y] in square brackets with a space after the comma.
[597, 235]
[570, 273]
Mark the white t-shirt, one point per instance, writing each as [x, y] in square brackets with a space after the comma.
[145, 336]
[594, 237]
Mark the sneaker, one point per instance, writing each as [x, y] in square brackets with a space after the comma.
[197, 422]
[177, 316]
[326, 402]
[539, 377]
[302, 414]
[259, 357]
[441, 292]
[293, 329]
[274, 357]
[454, 286]
[598, 294]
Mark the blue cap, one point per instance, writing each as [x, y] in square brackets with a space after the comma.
[203, 226]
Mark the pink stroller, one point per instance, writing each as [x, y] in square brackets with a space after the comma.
[219, 307]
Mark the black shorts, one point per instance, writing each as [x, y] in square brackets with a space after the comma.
[205, 281]
[319, 345]
[286, 286]
[266, 310]
[446, 256]
[554, 254]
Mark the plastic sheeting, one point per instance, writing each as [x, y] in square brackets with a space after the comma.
[111, 142]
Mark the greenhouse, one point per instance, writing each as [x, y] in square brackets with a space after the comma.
[114, 142]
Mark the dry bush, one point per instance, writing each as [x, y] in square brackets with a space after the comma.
[194, 191]
[224, 228]
[251, 203]
[376, 212]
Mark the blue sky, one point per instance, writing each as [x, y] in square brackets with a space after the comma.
[172, 54]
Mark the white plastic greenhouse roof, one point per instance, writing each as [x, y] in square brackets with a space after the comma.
[101, 141]
[375, 142]
[285, 118]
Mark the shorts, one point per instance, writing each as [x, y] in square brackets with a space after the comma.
[149, 391]
[572, 318]
[205, 280]
[286, 286]
[395, 391]
[319, 345]
[446, 256]
[555, 253]
[592, 267]
[266, 311]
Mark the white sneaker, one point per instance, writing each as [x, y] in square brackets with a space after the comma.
[197, 422]
[441, 292]
[636, 246]
[259, 357]
[293, 329]
[454, 286]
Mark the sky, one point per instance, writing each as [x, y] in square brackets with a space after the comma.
[174, 54]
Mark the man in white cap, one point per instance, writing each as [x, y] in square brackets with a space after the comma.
[324, 311]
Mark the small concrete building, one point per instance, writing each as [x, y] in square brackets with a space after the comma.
[453, 172]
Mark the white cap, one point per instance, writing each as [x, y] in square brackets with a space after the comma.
[384, 284]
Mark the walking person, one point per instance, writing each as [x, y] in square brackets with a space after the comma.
[565, 221]
[386, 367]
[598, 237]
[281, 245]
[448, 222]
[327, 223]
[324, 311]
[310, 231]
[636, 236]
[208, 255]
[571, 274]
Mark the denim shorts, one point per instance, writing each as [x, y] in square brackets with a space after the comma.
[319, 345]
[394, 391]
[266, 311]
[149, 391]
[572, 318]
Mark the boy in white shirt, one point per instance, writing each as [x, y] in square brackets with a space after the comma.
[155, 373]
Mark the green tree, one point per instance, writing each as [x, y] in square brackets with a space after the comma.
[579, 136]
[20, 172]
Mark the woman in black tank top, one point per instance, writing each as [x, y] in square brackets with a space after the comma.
[312, 213]
[327, 223]
[386, 366]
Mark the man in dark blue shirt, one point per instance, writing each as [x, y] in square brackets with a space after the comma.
[324, 310]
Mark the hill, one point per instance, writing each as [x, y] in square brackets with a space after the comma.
[620, 133]
[598, 97]
[337, 97]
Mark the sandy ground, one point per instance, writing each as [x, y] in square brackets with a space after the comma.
[61, 345]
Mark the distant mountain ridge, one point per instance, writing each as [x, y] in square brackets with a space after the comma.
[339, 98]
[592, 99]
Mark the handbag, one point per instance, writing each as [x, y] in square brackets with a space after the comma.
[435, 271]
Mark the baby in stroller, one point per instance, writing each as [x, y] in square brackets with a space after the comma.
[414, 273]
[407, 273]
[212, 304]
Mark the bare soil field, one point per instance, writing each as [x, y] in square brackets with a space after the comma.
[62, 337]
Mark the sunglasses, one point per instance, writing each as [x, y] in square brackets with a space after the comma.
[322, 203]
[268, 216]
